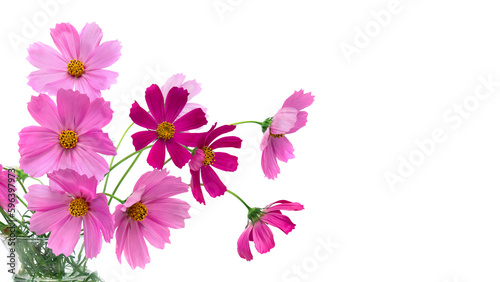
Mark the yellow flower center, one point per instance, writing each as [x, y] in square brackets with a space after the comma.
[68, 139]
[75, 68]
[165, 130]
[209, 156]
[137, 211]
[78, 207]
[276, 135]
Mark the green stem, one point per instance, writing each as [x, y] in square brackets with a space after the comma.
[238, 199]
[37, 180]
[128, 157]
[248, 121]
[123, 177]
[24, 189]
[113, 158]
[114, 197]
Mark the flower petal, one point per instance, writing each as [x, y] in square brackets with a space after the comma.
[226, 142]
[225, 161]
[90, 37]
[278, 220]
[65, 235]
[143, 138]
[45, 57]
[212, 182]
[99, 208]
[92, 236]
[193, 87]
[301, 122]
[156, 106]
[299, 100]
[136, 251]
[98, 115]
[86, 162]
[36, 162]
[269, 163]
[175, 80]
[156, 234]
[100, 79]
[192, 120]
[180, 155]
[142, 118]
[50, 80]
[78, 186]
[72, 107]
[169, 212]
[196, 187]
[42, 198]
[283, 205]
[282, 148]
[67, 40]
[284, 120]
[156, 157]
[189, 139]
[82, 85]
[104, 55]
[263, 237]
[217, 132]
[244, 244]
[44, 111]
[97, 141]
[44, 222]
[174, 103]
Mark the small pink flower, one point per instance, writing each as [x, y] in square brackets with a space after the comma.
[78, 65]
[192, 87]
[258, 231]
[275, 145]
[165, 127]
[70, 135]
[62, 207]
[7, 182]
[148, 214]
[205, 158]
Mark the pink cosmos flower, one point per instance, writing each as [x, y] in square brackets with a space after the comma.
[258, 231]
[69, 136]
[148, 214]
[275, 145]
[165, 127]
[5, 180]
[205, 157]
[77, 65]
[62, 207]
[193, 87]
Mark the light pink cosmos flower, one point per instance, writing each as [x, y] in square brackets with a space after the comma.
[205, 158]
[275, 145]
[77, 65]
[69, 136]
[165, 127]
[258, 231]
[148, 214]
[5, 194]
[62, 207]
[192, 87]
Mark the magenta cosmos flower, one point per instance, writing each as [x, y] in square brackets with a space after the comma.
[62, 207]
[192, 87]
[258, 231]
[275, 145]
[205, 158]
[7, 188]
[148, 214]
[165, 127]
[69, 136]
[77, 65]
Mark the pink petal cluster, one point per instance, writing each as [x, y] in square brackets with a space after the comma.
[192, 87]
[165, 127]
[206, 157]
[77, 64]
[4, 188]
[148, 214]
[69, 136]
[275, 145]
[61, 208]
[258, 231]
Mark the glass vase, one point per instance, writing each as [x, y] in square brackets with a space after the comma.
[30, 259]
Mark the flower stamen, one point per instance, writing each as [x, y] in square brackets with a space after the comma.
[137, 211]
[78, 207]
[209, 156]
[277, 135]
[165, 130]
[68, 139]
[75, 68]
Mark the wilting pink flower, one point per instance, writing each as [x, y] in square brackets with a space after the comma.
[7, 188]
[205, 158]
[70, 135]
[62, 207]
[192, 87]
[258, 231]
[275, 145]
[165, 127]
[148, 214]
[77, 65]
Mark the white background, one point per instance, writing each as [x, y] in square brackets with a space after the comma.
[404, 82]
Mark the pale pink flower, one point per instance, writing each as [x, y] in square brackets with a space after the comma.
[78, 64]
[192, 87]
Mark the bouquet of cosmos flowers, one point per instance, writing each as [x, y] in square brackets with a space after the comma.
[68, 143]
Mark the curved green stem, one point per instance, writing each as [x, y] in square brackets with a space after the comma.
[123, 177]
[114, 197]
[230, 192]
[248, 121]
[37, 180]
[24, 189]
[113, 158]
